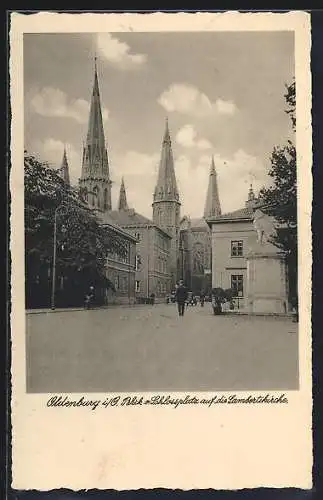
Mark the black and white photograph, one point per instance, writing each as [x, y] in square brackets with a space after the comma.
[160, 211]
[163, 239]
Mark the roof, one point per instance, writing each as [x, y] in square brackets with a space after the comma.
[198, 223]
[241, 214]
[108, 221]
[130, 218]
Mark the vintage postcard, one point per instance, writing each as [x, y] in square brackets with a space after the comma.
[160, 243]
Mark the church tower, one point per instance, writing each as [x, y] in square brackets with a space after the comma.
[212, 204]
[123, 205]
[166, 204]
[95, 183]
[64, 170]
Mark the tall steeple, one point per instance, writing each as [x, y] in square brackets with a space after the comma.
[212, 204]
[64, 170]
[123, 205]
[166, 204]
[166, 187]
[95, 180]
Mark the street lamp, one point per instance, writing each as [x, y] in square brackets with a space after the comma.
[54, 257]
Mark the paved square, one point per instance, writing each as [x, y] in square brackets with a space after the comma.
[150, 348]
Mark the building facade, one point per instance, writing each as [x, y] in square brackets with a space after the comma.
[211, 251]
[152, 258]
[255, 272]
[166, 204]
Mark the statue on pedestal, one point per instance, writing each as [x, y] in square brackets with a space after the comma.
[264, 225]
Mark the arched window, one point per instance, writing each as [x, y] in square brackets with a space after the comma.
[85, 194]
[198, 258]
[95, 197]
[105, 199]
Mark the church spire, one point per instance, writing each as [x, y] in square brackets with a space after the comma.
[64, 170]
[95, 134]
[212, 204]
[166, 187]
[95, 176]
[166, 204]
[123, 205]
[252, 200]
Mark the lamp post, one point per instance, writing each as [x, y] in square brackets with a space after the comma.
[54, 258]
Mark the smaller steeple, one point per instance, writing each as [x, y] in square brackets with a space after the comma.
[123, 205]
[64, 170]
[251, 194]
[212, 204]
[252, 200]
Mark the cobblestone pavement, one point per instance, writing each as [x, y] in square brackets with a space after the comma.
[150, 348]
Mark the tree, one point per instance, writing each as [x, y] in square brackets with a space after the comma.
[82, 243]
[220, 296]
[280, 199]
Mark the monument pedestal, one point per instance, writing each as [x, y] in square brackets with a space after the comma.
[266, 280]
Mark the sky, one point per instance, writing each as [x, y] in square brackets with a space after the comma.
[223, 94]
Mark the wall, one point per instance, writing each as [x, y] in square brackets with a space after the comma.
[121, 272]
[159, 269]
[201, 258]
[223, 264]
[153, 271]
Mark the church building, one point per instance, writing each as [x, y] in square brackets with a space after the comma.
[216, 250]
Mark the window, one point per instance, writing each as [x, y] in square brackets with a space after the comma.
[105, 199]
[137, 283]
[137, 235]
[138, 262]
[237, 248]
[95, 200]
[237, 284]
[116, 282]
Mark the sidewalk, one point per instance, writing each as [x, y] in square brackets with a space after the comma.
[75, 309]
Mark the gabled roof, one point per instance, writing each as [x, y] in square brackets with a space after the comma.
[242, 214]
[130, 218]
[198, 223]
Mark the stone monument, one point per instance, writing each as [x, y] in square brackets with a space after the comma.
[266, 270]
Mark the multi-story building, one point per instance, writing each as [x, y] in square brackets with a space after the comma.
[206, 252]
[152, 272]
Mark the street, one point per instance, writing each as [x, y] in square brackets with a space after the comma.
[150, 348]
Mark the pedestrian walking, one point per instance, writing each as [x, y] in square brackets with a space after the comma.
[89, 298]
[181, 297]
[202, 299]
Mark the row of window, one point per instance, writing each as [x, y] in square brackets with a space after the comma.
[162, 264]
[94, 198]
[161, 287]
[119, 258]
[121, 283]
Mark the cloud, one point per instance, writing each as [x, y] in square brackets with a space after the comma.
[189, 100]
[225, 107]
[53, 102]
[187, 137]
[51, 151]
[118, 53]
